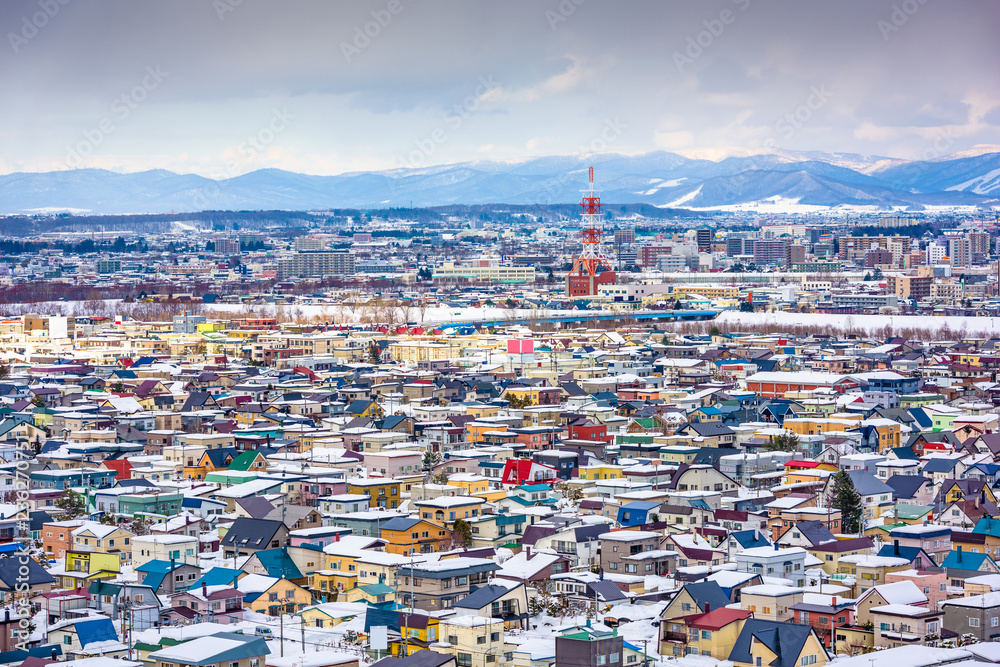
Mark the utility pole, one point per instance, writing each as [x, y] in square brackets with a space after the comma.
[281, 623]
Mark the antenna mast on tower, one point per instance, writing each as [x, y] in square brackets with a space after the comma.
[585, 276]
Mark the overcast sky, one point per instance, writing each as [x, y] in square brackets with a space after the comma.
[222, 87]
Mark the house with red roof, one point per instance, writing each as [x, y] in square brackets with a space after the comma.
[713, 632]
[526, 471]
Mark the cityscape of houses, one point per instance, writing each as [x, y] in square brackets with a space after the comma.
[246, 492]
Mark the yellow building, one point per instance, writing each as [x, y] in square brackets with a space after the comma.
[831, 555]
[326, 585]
[603, 471]
[104, 539]
[419, 629]
[272, 596]
[323, 616]
[381, 492]
[372, 594]
[817, 425]
[522, 393]
[414, 351]
[471, 483]
[713, 633]
[474, 640]
[84, 567]
[889, 433]
[811, 653]
[869, 571]
[475, 430]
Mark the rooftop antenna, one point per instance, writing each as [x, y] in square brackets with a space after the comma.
[581, 280]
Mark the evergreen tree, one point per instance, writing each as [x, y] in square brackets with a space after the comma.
[72, 503]
[374, 353]
[847, 499]
[431, 459]
[461, 533]
[786, 442]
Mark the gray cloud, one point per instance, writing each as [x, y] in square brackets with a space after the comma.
[563, 69]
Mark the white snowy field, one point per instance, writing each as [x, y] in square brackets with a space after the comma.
[989, 326]
[432, 315]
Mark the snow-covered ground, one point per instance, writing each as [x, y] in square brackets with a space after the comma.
[732, 320]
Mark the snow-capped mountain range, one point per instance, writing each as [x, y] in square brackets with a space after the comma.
[765, 182]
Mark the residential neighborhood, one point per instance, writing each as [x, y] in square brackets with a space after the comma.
[490, 508]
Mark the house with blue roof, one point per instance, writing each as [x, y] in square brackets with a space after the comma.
[167, 577]
[920, 559]
[276, 563]
[705, 414]
[960, 565]
[507, 601]
[781, 644]
[743, 539]
[987, 525]
[218, 576]
[985, 472]
[110, 598]
[636, 513]
[696, 598]
[91, 635]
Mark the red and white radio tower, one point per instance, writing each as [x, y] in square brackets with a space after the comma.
[586, 276]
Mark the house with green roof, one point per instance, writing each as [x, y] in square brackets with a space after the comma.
[223, 649]
[376, 595]
[227, 478]
[249, 461]
[145, 504]
[911, 514]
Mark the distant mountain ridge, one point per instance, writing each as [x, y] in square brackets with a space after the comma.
[771, 181]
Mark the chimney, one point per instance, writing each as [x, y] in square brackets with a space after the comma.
[54, 654]
[959, 553]
[708, 607]
[895, 547]
[204, 589]
[775, 546]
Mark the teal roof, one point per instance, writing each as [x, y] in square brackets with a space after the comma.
[534, 487]
[278, 564]
[162, 566]
[987, 526]
[965, 560]
[208, 647]
[217, 576]
[377, 589]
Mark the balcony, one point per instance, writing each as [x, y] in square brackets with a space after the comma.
[679, 637]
